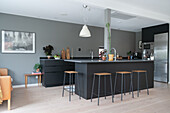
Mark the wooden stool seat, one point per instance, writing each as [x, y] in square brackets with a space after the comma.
[140, 71]
[123, 72]
[102, 74]
[70, 72]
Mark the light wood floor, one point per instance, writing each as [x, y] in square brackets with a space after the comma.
[49, 100]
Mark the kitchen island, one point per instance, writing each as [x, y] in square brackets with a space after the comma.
[87, 68]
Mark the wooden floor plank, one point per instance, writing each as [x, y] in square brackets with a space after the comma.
[49, 100]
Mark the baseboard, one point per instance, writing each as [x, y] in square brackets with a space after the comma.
[28, 85]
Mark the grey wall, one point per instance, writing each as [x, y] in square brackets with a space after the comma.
[123, 41]
[59, 35]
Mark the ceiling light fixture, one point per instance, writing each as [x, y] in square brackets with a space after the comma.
[85, 31]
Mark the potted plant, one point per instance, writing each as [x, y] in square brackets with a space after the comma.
[57, 56]
[104, 54]
[37, 68]
[129, 54]
[110, 55]
[104, 57]
[48, 50]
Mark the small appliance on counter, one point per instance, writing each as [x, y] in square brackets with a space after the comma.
[148, 50]
[137, 55]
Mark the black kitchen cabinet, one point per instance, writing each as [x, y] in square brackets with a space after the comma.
[53, 71]
[149, 32]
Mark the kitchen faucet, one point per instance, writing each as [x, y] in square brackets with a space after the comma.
[114, 58]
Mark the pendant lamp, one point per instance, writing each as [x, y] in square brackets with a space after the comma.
[85, 31]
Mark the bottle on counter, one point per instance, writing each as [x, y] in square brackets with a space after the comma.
[63, 54]
[151, 57]
[68, 53]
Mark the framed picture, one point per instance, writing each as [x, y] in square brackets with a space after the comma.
[140, 44]
[18, 42]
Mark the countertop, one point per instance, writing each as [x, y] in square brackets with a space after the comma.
[101, 61]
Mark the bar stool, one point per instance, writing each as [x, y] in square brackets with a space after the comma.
[146, 76]
[99, 75]
[122, 73]
[70, 89]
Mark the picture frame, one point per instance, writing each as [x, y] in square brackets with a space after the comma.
[140, 44]
[18, 41]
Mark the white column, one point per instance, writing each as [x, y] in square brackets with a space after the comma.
[107, 14]
[169, 54]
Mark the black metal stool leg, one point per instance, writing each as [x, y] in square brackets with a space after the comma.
[63, 84]
[70, 87]
[72, 83]
[115, 85]
[130, 89]
[146, 75]
[124, 85]
[78, 83]
[105, 86]
[111, 87]
[132, 85]
[92, 88]
[138, 85]
[122, 88]
[98, 90]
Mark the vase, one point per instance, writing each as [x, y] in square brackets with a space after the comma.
[111, 57]
[128, 57]
[48, 57]
[38, 70]
[103, 58]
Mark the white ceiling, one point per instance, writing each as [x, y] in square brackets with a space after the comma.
[73, 12]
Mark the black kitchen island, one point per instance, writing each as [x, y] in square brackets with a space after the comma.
[87, 68]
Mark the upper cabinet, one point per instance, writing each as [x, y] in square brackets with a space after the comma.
[149, 32]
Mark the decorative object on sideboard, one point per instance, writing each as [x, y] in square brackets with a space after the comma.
[37, 68]
[63, 54]
[48, 50]
[67, 53]
[57, 56]
[18, 42]
[85, 31]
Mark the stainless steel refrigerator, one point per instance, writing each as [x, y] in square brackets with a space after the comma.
[161, 57]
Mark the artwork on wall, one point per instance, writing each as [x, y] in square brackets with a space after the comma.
[18, 42]
[140, 44]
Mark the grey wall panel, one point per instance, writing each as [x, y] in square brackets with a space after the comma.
[59, 35]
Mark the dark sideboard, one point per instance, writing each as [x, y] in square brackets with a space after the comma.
[53, 71]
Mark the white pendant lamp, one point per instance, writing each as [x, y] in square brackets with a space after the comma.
[85, 32]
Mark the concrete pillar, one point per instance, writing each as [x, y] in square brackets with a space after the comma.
[107, 16]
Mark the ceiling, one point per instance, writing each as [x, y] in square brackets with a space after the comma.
[72, 11]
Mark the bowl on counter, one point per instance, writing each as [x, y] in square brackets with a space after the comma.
[57, 58]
